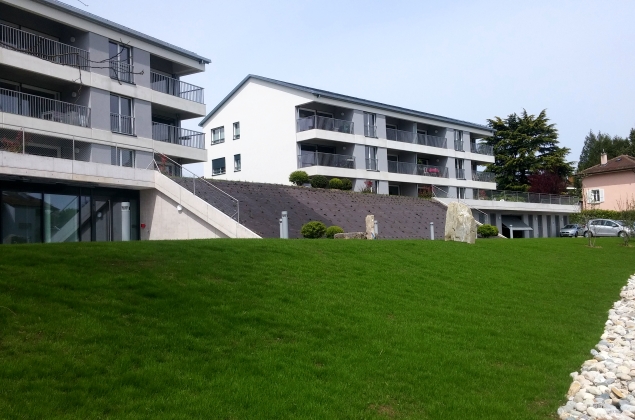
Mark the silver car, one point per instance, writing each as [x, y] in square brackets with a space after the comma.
[607, 227]
[572, 230]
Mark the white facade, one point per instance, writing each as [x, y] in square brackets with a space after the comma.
[275, 141]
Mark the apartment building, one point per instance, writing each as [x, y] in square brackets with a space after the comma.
[86, 106]
[265, 129]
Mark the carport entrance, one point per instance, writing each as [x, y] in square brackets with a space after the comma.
[515, 224]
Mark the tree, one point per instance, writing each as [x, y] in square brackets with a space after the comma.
[595, 144]
[525, 145]
[546, 182]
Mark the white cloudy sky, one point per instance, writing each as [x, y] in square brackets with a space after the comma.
[470, 60]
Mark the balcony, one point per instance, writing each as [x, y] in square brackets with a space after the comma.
[415, 138]
[460, 173]
[482, 149]
[121, 71]
[18, 103]
[122, 124]
[177, 135]
[44, 48]
[306, 159]
[323, 123]
[483, 176]
[175, 87]
[525, 197]
[415, 169]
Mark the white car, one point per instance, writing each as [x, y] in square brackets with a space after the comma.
[607, 227]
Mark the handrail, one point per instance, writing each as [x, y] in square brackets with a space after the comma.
[14, 102]
[317, 122]
[306, 158]
[400, 135]
[526, 197]
[177, 135]
[44, 48]
[176, 87]
[123, 124]
[122, 71]
[162, 168]
[432, 141]
[482, 149]
[436, 195]
[483, 176]
[417, 169]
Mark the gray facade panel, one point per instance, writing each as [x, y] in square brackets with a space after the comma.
[98, 49]
[100, 108]
[143, 118]
[141, 61]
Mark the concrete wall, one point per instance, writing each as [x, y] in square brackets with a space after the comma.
[143, 118]
[141, 62]
[617, 186]
[100, 109]
[99, 52]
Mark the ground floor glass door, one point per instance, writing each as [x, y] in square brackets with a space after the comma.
[102, 211]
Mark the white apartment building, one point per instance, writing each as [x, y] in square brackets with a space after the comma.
[265, 129]
[87, 107]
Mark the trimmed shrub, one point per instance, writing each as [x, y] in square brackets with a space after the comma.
[487, 230]
[600, 214]
[313, 230]
[298, 178]
[319, 181]
[347, 184]
[332, 230]
[335, 184]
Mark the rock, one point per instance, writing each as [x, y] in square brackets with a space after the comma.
[460, 225]
[631, 386]
[573, 389]
[627, 407]
[581, 407]
[350, 235]
[618, 392]
[593, 390]
[370, 227]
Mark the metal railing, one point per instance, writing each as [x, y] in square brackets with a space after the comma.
[372, 165]
[175, 87]
[370, 131]
[19, 103]
[44, 48]
[400, 135]
[416, 169]
[200, 187]
[122, 71]
[306, 159]
[323, 123]
[460, 173]
[483, 176]
[458, 145]
[482, 149]
[49, 144]
[122, 124]
[177, 135]
[432, 141]
[525, 197]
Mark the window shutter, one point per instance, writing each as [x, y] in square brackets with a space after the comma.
[601, 195]
[589, 196]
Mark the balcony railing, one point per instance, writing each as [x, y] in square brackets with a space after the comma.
[399, 135]
[44, 48]
[460, 173]
[178, 135]
[122, 71]
[432, 141]
[122, 124]
[525, 197]
[323, 123]
[482, 149]
[370, 131]
[458, 145]
[175, 87]
[415, 169]
[483, 176]
[306, 159]
[372, 165]
[14, 102]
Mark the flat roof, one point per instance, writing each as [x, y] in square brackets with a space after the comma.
[345, 98]
[120, 28]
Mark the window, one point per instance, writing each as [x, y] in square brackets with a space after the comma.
[459, 164]
[218, 135]
[236, 130]
[460, 193]
[596, 196]
[121, 120]
[371, 158]
[393, 189]
[370, 124]
[458, 140]
[218, 166]
[125, 157]
[120, 59]
[236, 163]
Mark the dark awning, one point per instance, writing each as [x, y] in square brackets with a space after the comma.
[515, 223]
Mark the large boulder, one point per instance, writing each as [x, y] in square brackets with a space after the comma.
[370, 226]
[460, 226]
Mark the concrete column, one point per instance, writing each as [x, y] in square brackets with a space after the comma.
[449, 137]
[498, 223]
[526, 221]
[99, 109]
[358, 122]
[141, 62]
[143, 118]
[381, 126]
[382, 159]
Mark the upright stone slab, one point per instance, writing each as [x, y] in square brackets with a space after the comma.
[460, 225]
[370, 227]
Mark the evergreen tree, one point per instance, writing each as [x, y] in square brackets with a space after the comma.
[525, 145]
[613, 146]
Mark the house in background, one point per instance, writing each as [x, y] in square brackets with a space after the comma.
[608, 185]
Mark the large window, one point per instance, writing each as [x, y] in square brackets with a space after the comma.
[458, 140]
[21, 217]
[120, 59]
[121, 119]
[236, 130]
[218, 135]
[370, 124]
[596, 196]
[218, 166]
[61, 218]
[237, 164]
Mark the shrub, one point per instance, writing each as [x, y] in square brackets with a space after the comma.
[319, 181]
[313, 230]
[332, 230]
[299, 177]
[347, 184]
[425, 192]
[487, 230]
[367, 188]
[335, 184]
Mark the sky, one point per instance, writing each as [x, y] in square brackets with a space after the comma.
[469, 60]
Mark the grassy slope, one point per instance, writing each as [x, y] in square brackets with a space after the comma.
[300, 329]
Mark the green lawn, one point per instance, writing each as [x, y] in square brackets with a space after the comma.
[300, 329]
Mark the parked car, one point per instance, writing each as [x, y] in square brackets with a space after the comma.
[572, 230]
[608, 227]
